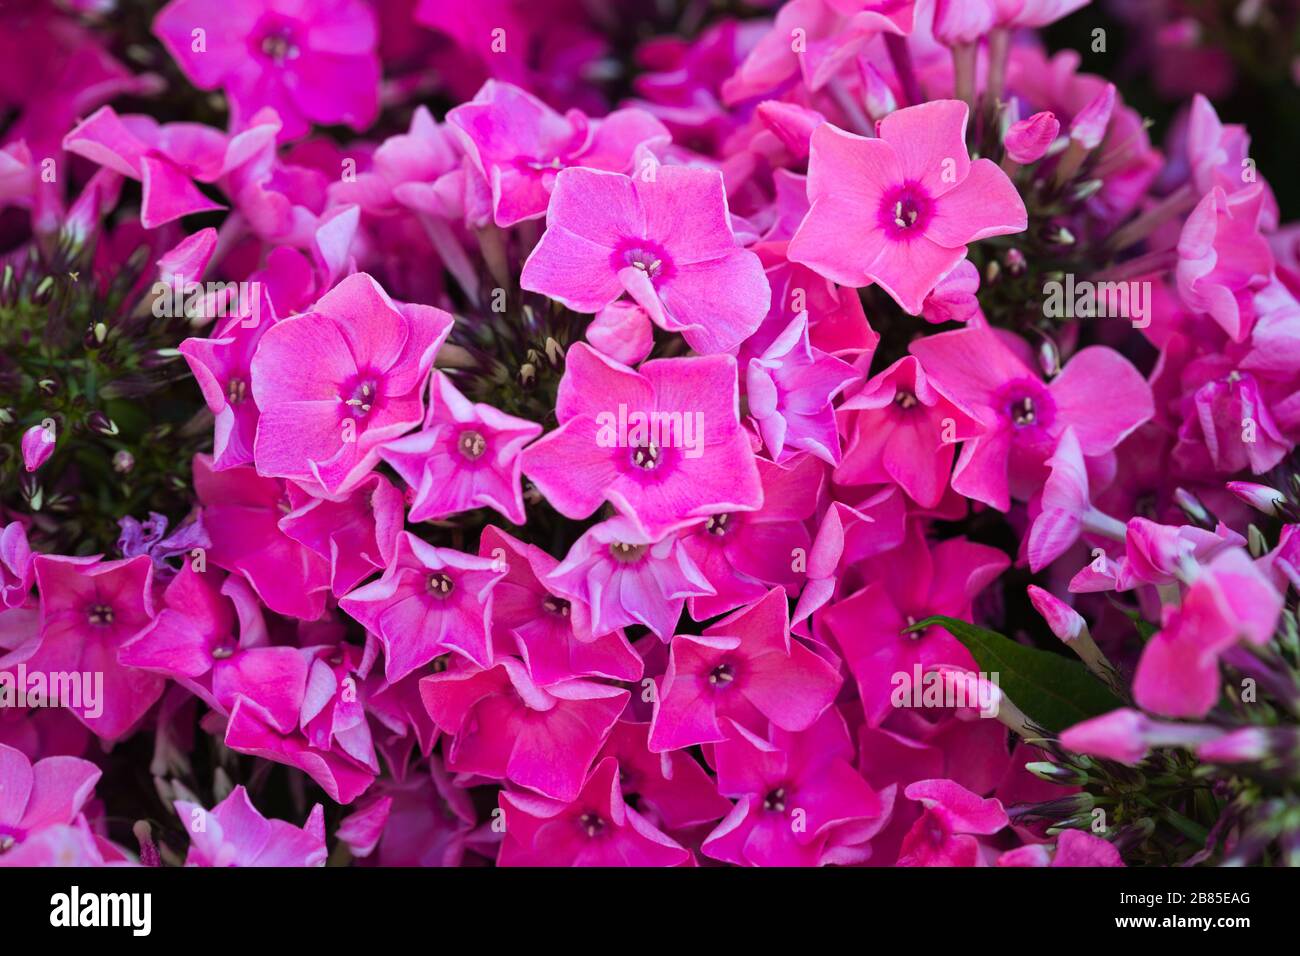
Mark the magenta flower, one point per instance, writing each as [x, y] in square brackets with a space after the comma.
[233, 833]
[165, 159]
[429, 601]
[912, 583]
[746, 668]
[1100, 394]
[356, 533]
[627, 577]
[789, 390]
[312, 60]
[222, 367]
[799, 800]
[744, 553]
[900, 210]
[210, 638]
[1073, 848]
[663, 444]
[465, 457]
[664, 239]
[243, 512]
[553, 634]
[17, 568]
[36, 796]
[1230, 600]
[904, 429]
[520, 144]
[338, 382]
[1223, 260]
[594, 828]
[672, 790]
[945, 834]
[89, 609]
[504, 726]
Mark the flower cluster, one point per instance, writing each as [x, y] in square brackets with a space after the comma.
[830, 435]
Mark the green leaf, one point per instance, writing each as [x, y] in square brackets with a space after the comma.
[1053, 691]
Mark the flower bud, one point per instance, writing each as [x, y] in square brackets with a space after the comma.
[38, 446]
[1260, 497]
[1028, 140]
[1066, 623]
[1089, 127]
[958, 22]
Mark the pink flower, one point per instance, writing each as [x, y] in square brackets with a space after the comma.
[37, 446]
[335, 384]
[908, 585]
[233, 833]
[243, 512]
[1064, 509]
[312, 60]
[663, 444]
[1217, 153]
[959, 22]
[672, 789]
[665, 240]
[628, 577]
[799, 800]
[594, 828]
[37, 796]
[430, 600]
[465, 457]
[1230, 600]
[504, 726]
[900, 210]
[904, 429]
[953, 817]
[249, 731]
[1073, 848]
[789, 389]
[210, 638]
[165, 159]
[1099, 394]
[1035, 13]
[553, 635]
[520, 144]
[89, 609]
[17, 570]
[744, 553]
[357, 533]
[746, 668]
[1223, 259]
[222, 368]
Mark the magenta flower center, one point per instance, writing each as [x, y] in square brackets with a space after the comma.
[277, 41]
[223, 652]
[905, 400]
[361, 397]
[591, 824]
[9, 838]
[101, 615]
[719, 525]
[236, 391]
[553, 605]
[441, 585]
[1027, 403]
[626, 553]
[722, 675]
[645, 256]
[471, 444]
[905, 211]
[646, 457]
[775, 800]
